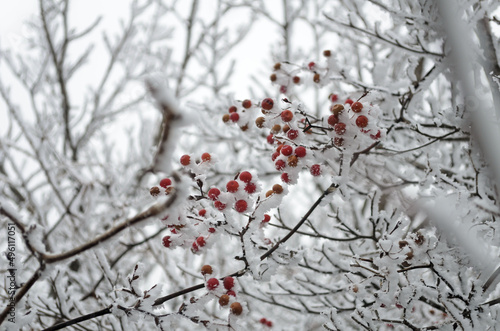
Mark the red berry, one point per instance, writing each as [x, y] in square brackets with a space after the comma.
[311, 65]
[362, 121]
[234, 117]
[166, 241]
[356, 107]
[287, 150]
[233, 109]
[219, 205]
[292, 134]
[285, 178]
[185, 160]
[275, 155]
[338, 141]
[375, 136]
[212, 284]
[213, 193]
[232, 293]
[280, 165]
[201, 241]
[270, 139]
[250, 188]
[296, 79]
[241, 206]
[246, 103]
[339, 128]
[245, 176]
[206, 157]
[228, 282]
[165, 182]
[263, 321]
[211, 230]
[232, 186]
[286, 115]
[349, 101]
[267, 104]
[269, 324]
[194, 247]
[202, 212]
[315, 170]
[283, 89]
[267, 218]
[300, 151]
[333, 97]
[332, 120]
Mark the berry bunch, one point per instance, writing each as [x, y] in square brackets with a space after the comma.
[226, 293]
[239, 114]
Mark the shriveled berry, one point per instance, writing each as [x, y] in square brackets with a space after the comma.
[259, 122]
[165, 182]
[244, 127]
[287, 150]
[356, 107]
[267, 104]
[224, 300]
[219, 205]
[286, 128]
[234, 117]
[276, 129]
[154, 191]
[185, 160]
[267, 218]
[246, 103]
[315, 170]
[201, 241]
[280, 165]
[285, 178]
[232, 186]
[292, 161]
[286, 115]
[316, 78]
[269, 193]
[169, 190]
[233, 109]
[226, 118]
[292, 134]
[213, 193]
[273, 77]
[349, 101]
[202, 212]
[332, 120]
[327, 53]
[212, 284]
[338, 141]
[236, 308]
[296, 79]
[362, 121]
[245, 176]
[228, 282]
[277, 66]
[250, 188]
[340, 128]
[166, 241]
[241, 206]
[277, 188]
[206, 270]
[206, 157]
[300, 151]
[337, 109]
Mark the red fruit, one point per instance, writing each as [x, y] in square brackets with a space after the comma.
[263, 321]
[285, 178]
[338, 141]
[300, 151]
[233, 109]
[224, 300]
[267, 104]
[234, 117]
[280, 165]
[356, 107]
[275, 155]
[269, 324]
[202, 212]
[246, 103]
[212, 284]
[349, 101]
[287, 150]
[165, 182]
[194, 247]
[286, 115]
[206, 157]
[185, 160]
[332, 120]
[241, 206]
[267, 218]
[232, 293]
[228, 282]
[270, 139]
[232, 186]
[375, 136]
[219, 205]
[339, 128]
[166, 241]
[333, 97]
[213, 193]
[245, 176]
[296, 79]
[282, 89]
[311, 65]
[201, 241]
[250, 188]
[292, 134]
[315, 170]
[362, 121]
[211, 230]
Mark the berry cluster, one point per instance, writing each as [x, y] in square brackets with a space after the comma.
[239, 114]
[165, 187]
[266, 322]
[226, 293]
[238, 193]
